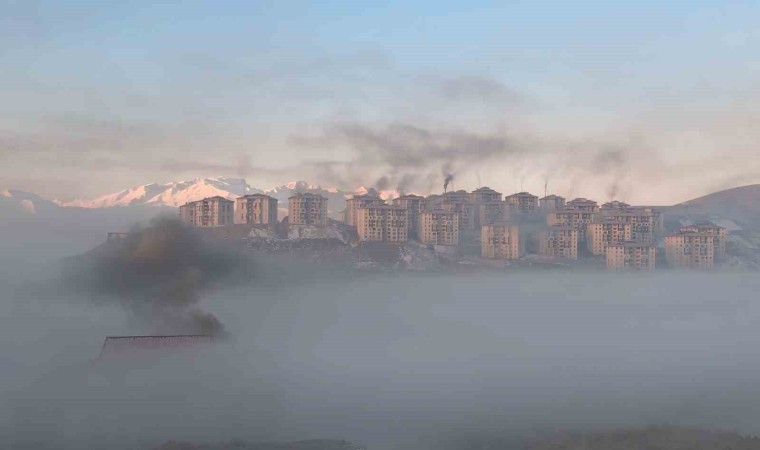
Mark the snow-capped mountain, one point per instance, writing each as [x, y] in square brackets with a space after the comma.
[169, 194]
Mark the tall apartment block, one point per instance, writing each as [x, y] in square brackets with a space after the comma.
[458, 202]
[600, 234]
[501, 241]
[630, 256]
[486, 206]
[646, 222]
[523, 201]
[439, 228]
[307, 209]
[558, 242]
[551, 203]
[414, 204]
[583, 204]
[357, 201]
[210, 212]
[688, 249]
[256, 209]
[576, 218]
[384, 223]
[719, 234]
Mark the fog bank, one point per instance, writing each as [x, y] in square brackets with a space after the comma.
[407, 361]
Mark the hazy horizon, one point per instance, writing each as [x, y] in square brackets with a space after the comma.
[643, 100]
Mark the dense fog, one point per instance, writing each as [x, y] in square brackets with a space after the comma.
[390, 361]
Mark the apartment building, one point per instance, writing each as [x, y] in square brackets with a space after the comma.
[576, 218]
[459, 202]
[558, 242]
[486, 204]
[307, 209]
[630, 256]
[688, 249]
[646, 222]
[523, 201]
[414, 204]
[501, 241]
[439, 228]
[210, 212]
[357, 201]
[551, 203]
[256, 209]
[383, 223]
[604, 232]
[719, 233]
[582, 204]
[614, 205]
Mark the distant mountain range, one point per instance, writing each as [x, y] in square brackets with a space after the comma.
[178, 193]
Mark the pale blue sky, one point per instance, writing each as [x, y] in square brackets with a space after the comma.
[111, 94]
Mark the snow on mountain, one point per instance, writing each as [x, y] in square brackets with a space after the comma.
[169, 194]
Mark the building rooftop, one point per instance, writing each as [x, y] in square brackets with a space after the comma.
[552, 197]
[522, 194]
[257, 195]
[306, 194]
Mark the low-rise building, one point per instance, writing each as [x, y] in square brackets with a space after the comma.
[558, 242]
[210, 212]
[501, 241]
[524, 201]
[382, 223]
[357, 201]
[439, 228]
[601, 233]
[257, 209]
[688, 249]
[307, 209]
[630, 256]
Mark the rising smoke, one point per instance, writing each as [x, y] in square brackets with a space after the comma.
[158, 274]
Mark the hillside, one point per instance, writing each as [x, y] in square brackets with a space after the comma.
[741, 205]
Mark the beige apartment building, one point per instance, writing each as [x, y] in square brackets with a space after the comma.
[719, 233]
[459, 202]
[688, 249]
[558, 242]
[210, 212]
[646, 222]
[414, 204]
[582, 204]
[576, 218]
[501, 241]
[486, 204]
[307, 209]
[256, 209]
[551, 203]
[600, 234]
[439, 228]
[631, 256]
[383, 223]
[523, 201]
[357, 201]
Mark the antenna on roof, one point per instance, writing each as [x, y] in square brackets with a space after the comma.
[546, 185]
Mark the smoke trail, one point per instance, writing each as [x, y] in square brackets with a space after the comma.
[158, 274]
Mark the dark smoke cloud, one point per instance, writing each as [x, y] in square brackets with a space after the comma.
[158, 274]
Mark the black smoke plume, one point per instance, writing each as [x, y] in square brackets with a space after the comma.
[158, 274]
[448, 178]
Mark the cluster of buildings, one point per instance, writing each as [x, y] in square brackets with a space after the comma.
[496, 227]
